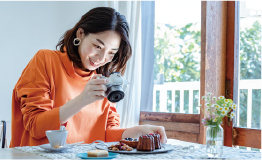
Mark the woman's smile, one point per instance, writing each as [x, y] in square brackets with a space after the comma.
[93, 63]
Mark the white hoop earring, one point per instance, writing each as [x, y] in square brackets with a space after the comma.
[77, 41]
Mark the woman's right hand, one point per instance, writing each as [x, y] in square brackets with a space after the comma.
[94, 90]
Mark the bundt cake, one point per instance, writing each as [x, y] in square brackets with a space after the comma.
[146, 143]
[157, 140]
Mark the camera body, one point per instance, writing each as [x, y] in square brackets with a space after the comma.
[116, 87]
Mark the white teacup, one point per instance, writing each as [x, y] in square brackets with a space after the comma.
[56, 138]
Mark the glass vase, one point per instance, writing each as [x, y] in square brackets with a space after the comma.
[214, 140]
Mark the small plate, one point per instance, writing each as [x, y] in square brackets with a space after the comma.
[49, 148]
[164, 148]
[84, 156]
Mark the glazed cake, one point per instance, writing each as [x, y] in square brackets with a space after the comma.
[146, 143]
[157, 140]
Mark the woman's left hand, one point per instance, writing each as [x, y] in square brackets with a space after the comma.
[135, 132]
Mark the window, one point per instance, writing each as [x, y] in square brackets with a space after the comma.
[248, 119]
[171, 67]
[177, 56]
[218, 71]
[249, 113]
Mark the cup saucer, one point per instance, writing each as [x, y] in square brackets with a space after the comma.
[49, 148]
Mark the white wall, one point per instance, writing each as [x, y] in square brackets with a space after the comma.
[25, 28]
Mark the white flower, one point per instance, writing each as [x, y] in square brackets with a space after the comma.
[233, 106]
[226, 109]
[224, 105]
[221, 97]
[223, 112]
[214, 98]
[221, 109]
[207, 104]
[232, 114]
[207, 109]
[217, 106]
[203, 97]
[226, 100]
[214, 120]
[213, 105]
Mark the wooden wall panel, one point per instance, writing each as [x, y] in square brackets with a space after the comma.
[248, 137]
[174, 126]
[179, 126]
[213, 52]
[170, 117]
[183, 136]
[229, 68]
[202, 134]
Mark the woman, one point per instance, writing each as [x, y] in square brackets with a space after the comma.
[61, 87]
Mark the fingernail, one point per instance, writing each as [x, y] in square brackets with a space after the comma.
[106, 80]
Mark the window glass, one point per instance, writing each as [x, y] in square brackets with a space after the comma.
[249, 112]
[177, 56]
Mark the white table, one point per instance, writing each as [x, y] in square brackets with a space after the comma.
[199, 152]
[11, 153]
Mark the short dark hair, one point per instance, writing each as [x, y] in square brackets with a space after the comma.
[98, 20]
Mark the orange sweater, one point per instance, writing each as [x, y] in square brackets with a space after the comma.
[48, 82]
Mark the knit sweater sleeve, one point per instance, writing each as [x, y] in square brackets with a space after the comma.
[113, 130]
[33, 93]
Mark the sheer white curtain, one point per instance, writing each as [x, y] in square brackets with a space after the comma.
[129, 107]
[147, 60]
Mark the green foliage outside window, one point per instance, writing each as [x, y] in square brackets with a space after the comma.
[250, 68]
[250, 52]
[177, 52]
[177, 56]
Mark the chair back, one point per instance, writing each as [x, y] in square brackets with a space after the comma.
[3, 141]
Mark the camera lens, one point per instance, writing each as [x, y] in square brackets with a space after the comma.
[115, 96]
[115, 93]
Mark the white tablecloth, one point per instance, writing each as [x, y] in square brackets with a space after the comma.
[179, 152]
